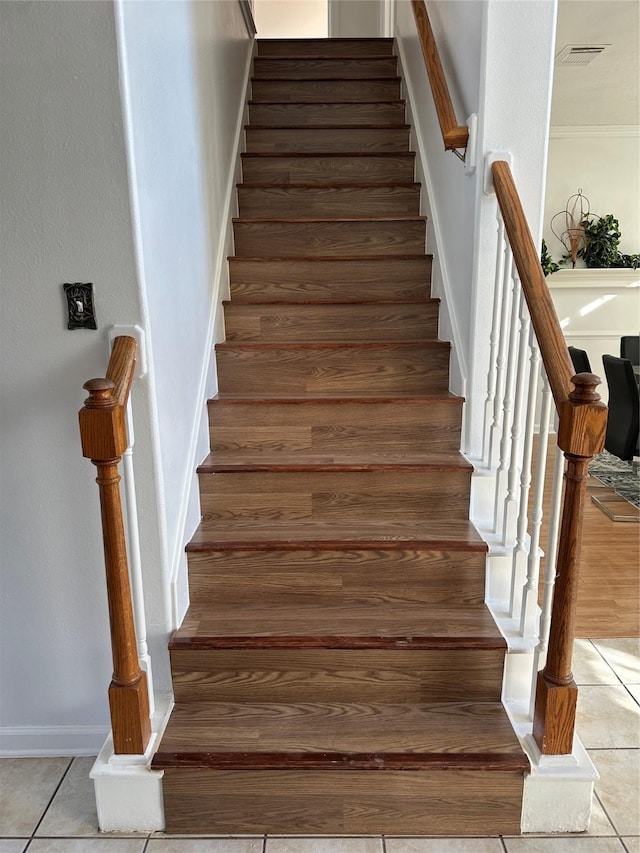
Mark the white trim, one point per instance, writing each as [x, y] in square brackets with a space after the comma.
[179, 598]
[23, 741]
[609, 278]
[247, 13]
[457, 351]
[600, 335]
[594, 131]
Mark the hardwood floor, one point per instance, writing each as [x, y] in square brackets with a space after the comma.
[609, 586]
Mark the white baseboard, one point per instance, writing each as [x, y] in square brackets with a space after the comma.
[38, 741]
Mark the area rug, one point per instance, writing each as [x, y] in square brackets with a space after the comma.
[623, 477]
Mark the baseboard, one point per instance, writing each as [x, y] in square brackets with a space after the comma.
[37, 741]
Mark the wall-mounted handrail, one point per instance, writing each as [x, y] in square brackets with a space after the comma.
[581, 429]
[454, 135]
[103, 434]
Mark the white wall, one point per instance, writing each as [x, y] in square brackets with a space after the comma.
[65, 218]
[497, 57]
[70, 171]
[356, 18]
[291, 18]
[605, 162]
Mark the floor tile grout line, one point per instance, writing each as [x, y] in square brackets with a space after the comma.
[51, 799]
[608, 816]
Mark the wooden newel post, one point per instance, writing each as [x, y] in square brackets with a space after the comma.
[104, 440]
[582, 425]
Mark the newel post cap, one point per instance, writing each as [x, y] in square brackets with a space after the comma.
[103, 429]
[583, 418]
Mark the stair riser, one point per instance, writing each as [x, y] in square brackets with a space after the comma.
[336, 577]
[274, 140]
[270, 68]
[340, 496]
[422, 370]
[325, 47]
[398, 427]
[322, 239]
[329, 201]
[337, 675]
[308, 323]
[321, 91]
[327, 115]
[343, 802]
[329, 280]
[375, 169]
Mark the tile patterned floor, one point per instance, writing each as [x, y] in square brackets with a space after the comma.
[47, 805]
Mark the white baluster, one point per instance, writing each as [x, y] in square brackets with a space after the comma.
[511, 500]
[520, 551]
[549, 569]
[135, 561]
[503, 343]
[507, 409]
[529, 611]
[493, 343]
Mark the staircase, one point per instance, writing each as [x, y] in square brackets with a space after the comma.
[337, 671]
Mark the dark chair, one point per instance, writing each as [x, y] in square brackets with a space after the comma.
[630, 348]
[580, 360]
[624, 405]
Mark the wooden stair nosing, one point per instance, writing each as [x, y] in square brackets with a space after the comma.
[328, 345]
[427, 300]
[356, 642]
[327, 258]
[333, 154]
[203, 541]
[269, 399]
[298, 220]
[400, 126]
[214, 464]
[253, 103]
[390, 761]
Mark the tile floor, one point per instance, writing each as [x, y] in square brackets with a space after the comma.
[47, 806]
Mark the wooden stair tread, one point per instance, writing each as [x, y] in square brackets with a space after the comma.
[305, 460]
[328, 186]
[324, 258]
[323, 735]
[382, 533]
[340, 345]
[296, 127]
[331, 397]
[330, 102]
[351, 625]
[410, 155]
[333, 219]
[257, 303]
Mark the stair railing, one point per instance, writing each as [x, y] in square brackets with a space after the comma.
[526, 340]
[103, 433]
[582, 419]
[454, 135]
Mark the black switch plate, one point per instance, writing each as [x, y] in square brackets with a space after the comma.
[80, 310]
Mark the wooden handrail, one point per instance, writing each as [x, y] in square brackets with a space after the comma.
[581, 430]
[103, 434]
[453, 135]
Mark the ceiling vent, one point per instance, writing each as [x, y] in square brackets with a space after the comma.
[579, 54]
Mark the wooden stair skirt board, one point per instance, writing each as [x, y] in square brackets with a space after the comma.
[337, 671]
